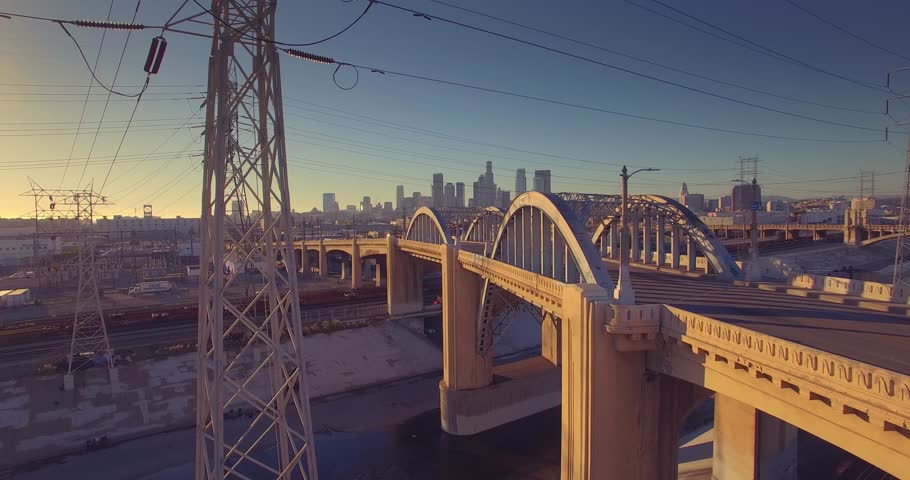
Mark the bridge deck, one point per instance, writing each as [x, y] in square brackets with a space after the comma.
[876, 338]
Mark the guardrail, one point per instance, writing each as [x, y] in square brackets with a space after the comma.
[343, 313]
[845, 286]
[428, 251]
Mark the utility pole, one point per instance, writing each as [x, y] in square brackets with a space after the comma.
[623, 294]
[247, 360]
[76, 209]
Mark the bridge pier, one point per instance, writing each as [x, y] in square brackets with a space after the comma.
[635, 231]
[323, 261]
[750, 444]
[619, 420]
[404, 280]
[356, 265]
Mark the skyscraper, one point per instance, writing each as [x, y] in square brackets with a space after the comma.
[366, 204]
[459, 194]
[485, 189]
[436, 190]
[448, 198]
[399, 197]
[521, 182]
[542, 181]
[328, 203]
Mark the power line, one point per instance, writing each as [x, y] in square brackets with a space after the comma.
[285, 44]
[579, 106]
[91, 150]
[844, 30]
[445, 136]
[773, 52]
[651, 62]
[626, 70]
[85, 103]
[92, 71]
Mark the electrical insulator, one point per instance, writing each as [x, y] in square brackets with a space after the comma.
[156, 55]
[309, 56]
[107, 25]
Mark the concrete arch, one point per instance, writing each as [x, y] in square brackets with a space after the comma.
[427, 226]
[541, 234]
[607, 207]
[484, 226]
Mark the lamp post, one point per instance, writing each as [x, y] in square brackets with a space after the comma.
[623, 294]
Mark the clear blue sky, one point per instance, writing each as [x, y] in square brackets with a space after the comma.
[40, 53]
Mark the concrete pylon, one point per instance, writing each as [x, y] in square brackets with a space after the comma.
[646, 240]
[661, 242]
[323, 261]
[404, 280]
[750, 444]
[356, 265]
[618, 421]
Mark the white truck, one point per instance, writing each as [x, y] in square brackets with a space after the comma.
[151, 287]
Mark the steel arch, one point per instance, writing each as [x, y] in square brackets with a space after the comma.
[427, 225]
[484, 226]
[601, 209]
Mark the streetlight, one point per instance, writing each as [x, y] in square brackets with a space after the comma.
[623, 294]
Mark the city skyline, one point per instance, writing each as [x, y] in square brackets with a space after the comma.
[367, 140]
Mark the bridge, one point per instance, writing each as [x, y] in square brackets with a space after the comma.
[626, 376]
[854, 234]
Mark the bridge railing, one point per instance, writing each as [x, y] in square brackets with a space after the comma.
[878, 395]
[343, 313]
[544, 292]
[845, 286]
[428, 251]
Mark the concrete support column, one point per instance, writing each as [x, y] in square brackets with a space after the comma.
[304, 260]
[356, 265]
[675, 245]
[634, 232]
[646, 239]
[617, 421]
[344, 270]
[550, 339]
[692, 263]
[404, 281]
[750, 445]
[661, 241]
[323, 261]
[377, 273]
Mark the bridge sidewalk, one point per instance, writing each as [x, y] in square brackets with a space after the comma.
[866, 303]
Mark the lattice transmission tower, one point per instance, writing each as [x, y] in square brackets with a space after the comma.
[902, 251]
[250, 348]
[61, 212]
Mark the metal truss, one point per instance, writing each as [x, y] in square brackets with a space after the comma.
[71, 212]
[250, 347]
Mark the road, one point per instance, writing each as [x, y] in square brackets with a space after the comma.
[876, 338]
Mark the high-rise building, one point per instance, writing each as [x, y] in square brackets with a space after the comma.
[744, 196]
[542, 181]
[504, 199]
[328, 203]
[682, 193]
[485, 189]
[712, 205]
[521, 182]
[387, 207]
[366, 205]
[436, 190]
[448, 197]
[399, 197]
[695, 202]
[725, 203]
[459, 194]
